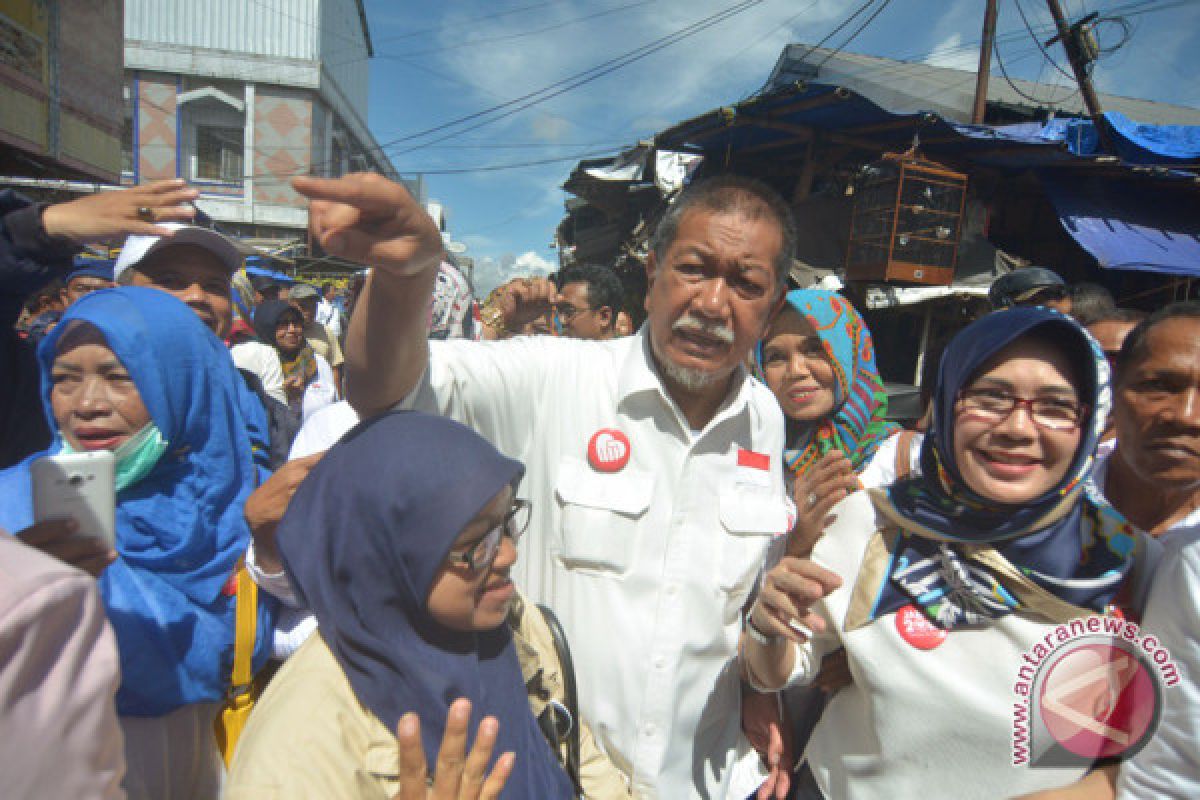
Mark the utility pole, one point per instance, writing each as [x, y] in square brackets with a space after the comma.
[1070, 37]
[985, 63]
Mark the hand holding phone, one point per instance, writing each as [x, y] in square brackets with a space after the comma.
[60, 538]
[78, 486]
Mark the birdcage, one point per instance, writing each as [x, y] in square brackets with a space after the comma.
[907, 221]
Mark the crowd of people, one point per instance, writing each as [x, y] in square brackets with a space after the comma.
[443, 548]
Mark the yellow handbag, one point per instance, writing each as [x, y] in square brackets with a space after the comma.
[243, 691]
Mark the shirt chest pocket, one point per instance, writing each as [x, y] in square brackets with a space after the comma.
[751, 518]
[600, 515]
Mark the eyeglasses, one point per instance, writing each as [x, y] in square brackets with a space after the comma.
[481, 554]
[1046, 412]
[567, 313]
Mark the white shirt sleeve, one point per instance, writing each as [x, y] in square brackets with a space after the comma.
[881, 471]
[495, 387]
[1169, 765]
[263, 361]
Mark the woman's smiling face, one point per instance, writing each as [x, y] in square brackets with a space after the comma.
[94, 400]
[1010, 458]
[797, 368]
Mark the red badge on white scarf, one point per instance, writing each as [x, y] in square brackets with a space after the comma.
[608, 450]
[916, 629]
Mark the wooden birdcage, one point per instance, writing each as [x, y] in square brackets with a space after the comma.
[907, 221]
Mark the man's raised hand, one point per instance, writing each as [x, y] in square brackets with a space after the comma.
[369, 219]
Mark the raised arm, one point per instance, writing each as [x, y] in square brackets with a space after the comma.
[369, 219]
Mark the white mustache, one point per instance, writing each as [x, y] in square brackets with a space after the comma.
[690, 324]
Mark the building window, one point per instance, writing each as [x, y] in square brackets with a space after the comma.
[219, 154]
[337, 157]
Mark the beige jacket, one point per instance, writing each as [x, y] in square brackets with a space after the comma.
[309, 737]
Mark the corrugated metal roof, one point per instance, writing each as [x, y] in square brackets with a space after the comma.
[906, 87]
[281, 28]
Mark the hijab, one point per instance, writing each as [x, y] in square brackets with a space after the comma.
[858, 423]
[1069, 541]
[363, 540]
[300, 362]
[180, 529]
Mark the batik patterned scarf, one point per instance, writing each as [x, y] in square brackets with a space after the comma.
[858, 424]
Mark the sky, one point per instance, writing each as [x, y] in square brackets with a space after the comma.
[437, 61]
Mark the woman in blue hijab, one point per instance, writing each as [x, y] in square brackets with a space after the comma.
[135, 371]
[400, 541]
[947, 588]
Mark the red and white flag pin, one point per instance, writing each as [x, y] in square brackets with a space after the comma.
[608, 450]
[753, 469]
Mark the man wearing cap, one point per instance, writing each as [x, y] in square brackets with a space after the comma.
[1030, 286]
[322, 341]
[195, 265]
[653, 462]
[88, 275]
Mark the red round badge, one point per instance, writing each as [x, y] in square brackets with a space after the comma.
[916, 629]
[608, 450]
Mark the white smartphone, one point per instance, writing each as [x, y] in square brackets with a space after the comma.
[78, 485]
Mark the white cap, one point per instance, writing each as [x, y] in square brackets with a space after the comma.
[137, 248]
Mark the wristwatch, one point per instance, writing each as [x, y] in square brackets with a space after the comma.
[754, 633]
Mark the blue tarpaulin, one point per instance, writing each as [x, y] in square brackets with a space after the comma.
[1127, 225]
[1138, 210]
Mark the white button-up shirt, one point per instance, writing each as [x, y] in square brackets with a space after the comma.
[648, 568]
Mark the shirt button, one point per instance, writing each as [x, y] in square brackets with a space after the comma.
[672, 590]
[649, 729]
[660, 663]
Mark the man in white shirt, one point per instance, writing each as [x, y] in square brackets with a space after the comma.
[653, 462]
[1153, 478]
[327, 313]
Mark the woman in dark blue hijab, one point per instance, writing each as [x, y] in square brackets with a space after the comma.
[947, 587]
[184, 470]
[400, 542]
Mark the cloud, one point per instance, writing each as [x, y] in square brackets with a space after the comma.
[950, 53]
[714, 66]
[530, 263]
[491, 272]
[549, 129]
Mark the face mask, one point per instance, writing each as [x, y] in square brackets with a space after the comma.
[136, 457]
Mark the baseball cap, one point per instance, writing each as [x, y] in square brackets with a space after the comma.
[302, 291]
[138, 248]
[85, 266]
[1020, 285]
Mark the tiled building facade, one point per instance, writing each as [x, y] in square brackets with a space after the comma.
[240, 98]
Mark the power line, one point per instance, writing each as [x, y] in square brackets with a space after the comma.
[1038, 41]
[500, 167]
[861, 28]
[835, 31]
[520, 34]
[510, 12]
[572, 82]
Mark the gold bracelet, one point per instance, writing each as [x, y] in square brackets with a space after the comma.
[492, 317]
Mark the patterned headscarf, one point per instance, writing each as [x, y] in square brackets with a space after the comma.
[1069, 542]
[858, 424]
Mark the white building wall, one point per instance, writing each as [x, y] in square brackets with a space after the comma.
[344, 52]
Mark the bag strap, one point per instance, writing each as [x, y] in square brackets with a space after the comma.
[245, 631]
[570, 694]
[904, 453]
